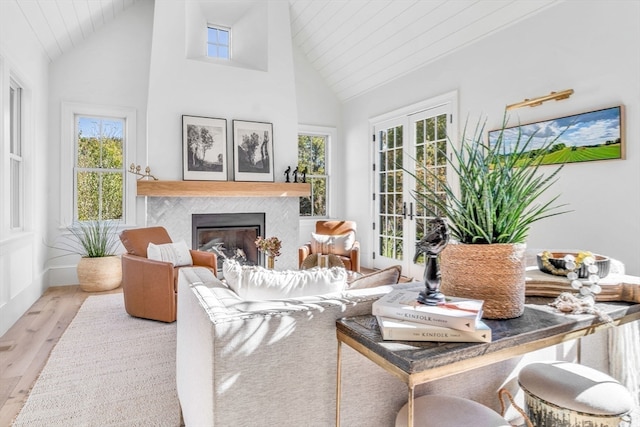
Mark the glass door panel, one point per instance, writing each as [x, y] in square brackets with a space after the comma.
[410, 153]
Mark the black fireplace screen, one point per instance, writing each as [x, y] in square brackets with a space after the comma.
[230, 236]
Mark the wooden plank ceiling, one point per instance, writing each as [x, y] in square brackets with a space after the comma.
[355, 45]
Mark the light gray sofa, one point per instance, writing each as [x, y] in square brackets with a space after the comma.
[273, 363]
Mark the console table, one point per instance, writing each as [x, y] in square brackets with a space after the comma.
[416, 362]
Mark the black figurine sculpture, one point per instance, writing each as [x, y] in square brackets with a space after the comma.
[286, 173]
[304, 175]
[434, 241]
[295, 174]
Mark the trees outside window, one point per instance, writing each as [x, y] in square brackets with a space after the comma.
[313, 151]
[99, 168]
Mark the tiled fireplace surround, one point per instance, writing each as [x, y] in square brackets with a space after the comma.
[281, 218]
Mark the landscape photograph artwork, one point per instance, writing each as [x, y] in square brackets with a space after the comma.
[595, 135]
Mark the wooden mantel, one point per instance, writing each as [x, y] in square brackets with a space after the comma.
[222, 189]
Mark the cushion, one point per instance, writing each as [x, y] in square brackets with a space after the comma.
[449, 411]
[176, 253]
[259, 283]
[386, 276]
[576, 387]
[338, 244]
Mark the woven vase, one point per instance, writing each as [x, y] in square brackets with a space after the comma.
[99, 274]
[494, 273]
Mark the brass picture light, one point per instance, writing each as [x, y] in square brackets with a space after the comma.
[538, 101]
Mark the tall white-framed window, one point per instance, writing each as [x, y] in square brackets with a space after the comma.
[97, 143]
[218, 42]
[16, 160]
[99, 171]
[314, 145]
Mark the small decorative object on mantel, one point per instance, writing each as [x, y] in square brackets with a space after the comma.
[136, 171]
[435, 239]
[271, 247]
[584, 301]
[286, 174]
[304, 176]
[295, 175]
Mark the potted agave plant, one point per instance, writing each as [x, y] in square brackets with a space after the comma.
[99, 269]
[489, 217]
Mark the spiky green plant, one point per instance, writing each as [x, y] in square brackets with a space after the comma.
[91, 239]
[499, 189]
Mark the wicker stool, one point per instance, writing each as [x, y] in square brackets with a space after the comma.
[564, 393]
[448, 411]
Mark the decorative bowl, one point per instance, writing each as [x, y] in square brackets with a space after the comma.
[556, 265]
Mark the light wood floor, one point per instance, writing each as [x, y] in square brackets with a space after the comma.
[25, 348]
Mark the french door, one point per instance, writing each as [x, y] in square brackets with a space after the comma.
[404, 148]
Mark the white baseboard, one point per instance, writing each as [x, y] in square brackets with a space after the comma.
[63, 275]
[20, 303]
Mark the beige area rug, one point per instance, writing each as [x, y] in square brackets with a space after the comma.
[108, 369]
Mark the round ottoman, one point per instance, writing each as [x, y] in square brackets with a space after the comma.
[448, 411]
[564, 393]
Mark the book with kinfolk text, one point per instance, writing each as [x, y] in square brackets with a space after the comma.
[455, 313]
[404, 330]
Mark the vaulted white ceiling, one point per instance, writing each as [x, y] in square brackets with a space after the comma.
[355, 45]
[60, 25]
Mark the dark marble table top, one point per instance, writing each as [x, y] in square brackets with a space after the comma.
[540, 326]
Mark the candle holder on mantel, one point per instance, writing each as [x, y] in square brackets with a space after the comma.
[136, 171]
[432, 243]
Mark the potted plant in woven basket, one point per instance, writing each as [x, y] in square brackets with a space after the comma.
[489, 217]
[99, 269]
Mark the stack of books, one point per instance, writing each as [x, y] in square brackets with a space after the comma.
[401, 317]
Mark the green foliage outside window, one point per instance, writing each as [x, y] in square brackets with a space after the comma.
[312, 155]
[99, 169]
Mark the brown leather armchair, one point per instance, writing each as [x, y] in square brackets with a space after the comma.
[149, 286]
[334, 228]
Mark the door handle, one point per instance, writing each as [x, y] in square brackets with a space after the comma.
[411, 210]
[404, 210]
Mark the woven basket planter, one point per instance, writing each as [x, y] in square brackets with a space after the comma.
[494, 273]
[99, 274]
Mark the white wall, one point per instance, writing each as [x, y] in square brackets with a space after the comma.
[181, 86]
[22, 254]
[111, 68]
[590, 47]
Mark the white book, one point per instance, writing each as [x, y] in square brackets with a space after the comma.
[455, 313]
[404, 330]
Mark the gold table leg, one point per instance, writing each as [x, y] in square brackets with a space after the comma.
[338, 383]
[410, 407]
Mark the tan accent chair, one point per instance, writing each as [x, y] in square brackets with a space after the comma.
[149, 286]
[334, 228]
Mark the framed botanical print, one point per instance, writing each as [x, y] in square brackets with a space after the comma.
[252, 151]
[204, 148]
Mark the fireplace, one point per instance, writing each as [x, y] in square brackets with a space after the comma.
[281, 217]
[229, 235]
